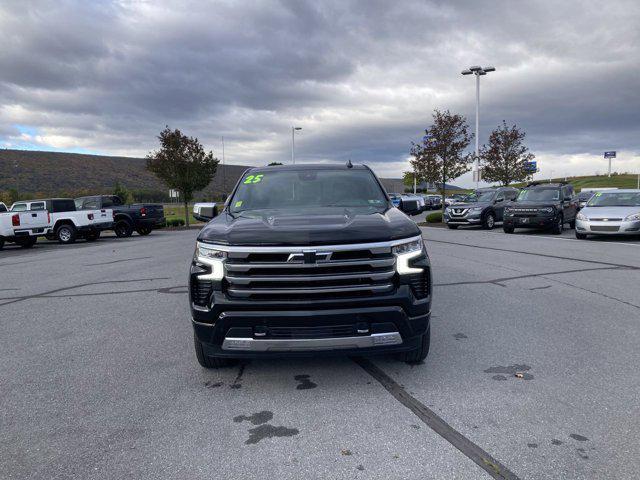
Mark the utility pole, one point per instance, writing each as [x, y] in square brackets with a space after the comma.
[15, 166]
[477, 71]
[224, 174]
[293, 143]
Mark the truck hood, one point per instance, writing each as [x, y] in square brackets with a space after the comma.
[322, 226]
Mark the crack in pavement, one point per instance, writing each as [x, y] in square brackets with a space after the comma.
[546, 255]
[115, 261]
[497, 281]
[51, 293]
[471, 450]
[528, 275]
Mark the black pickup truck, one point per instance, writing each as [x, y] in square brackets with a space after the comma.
[141, 217]
[310, 260]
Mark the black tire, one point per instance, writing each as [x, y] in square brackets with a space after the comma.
[417, 355]
[452, 227]
[92, 236]
[1, 243]
[558, 226]
[507, 229]
[123, 228]
[144, 231]
[581, 236]
[206, 361]
[66, 234]
[26, 242]
[489, 221]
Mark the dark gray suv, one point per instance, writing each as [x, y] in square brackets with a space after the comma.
[483, 207]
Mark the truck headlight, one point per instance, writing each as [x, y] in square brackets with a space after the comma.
[632, 217]
[213, 258]
[581, 216]
[477, 209]
[546, 210]
[404, 252]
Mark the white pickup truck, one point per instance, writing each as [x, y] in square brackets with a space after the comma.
[22, 228]
[65, 223]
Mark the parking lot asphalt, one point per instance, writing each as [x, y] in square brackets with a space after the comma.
[99, 379]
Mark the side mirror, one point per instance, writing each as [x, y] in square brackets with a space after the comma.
[205, 211]
[567, 199]
[410, 207]
[498, 200]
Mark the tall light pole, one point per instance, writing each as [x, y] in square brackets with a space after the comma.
[224, 174]
[477, 71]
[293, 143]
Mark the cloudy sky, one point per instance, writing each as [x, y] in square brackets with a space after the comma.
[360, 77]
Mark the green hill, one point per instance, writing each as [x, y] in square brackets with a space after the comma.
[595, 181]
[41, 174]
[38, 174]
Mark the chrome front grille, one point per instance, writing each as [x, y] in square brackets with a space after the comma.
[459, 212]
[524, 212]
[605, 228]
[311, 274]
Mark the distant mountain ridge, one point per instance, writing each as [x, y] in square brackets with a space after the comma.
[52, 173]
[62, 173]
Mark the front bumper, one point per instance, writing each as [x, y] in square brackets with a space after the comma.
[530, 222]
[592, 227]
[371, 324]
[246, 334]
[467, 219]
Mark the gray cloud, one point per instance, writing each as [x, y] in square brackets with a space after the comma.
[360, 77]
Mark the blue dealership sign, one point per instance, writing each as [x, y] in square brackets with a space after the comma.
[611, 154]
[531, 167]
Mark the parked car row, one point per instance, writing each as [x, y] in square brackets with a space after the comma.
[66, 219]
[425, 201]
[549, 206]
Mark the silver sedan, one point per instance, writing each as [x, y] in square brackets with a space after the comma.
[610, 213]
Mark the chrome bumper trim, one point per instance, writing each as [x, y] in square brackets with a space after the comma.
[303, 248]
[292, 345]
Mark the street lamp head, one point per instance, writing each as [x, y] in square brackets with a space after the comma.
[481, 72]
[466, 72]
[489, 69]
[475, 68]
[297, 128]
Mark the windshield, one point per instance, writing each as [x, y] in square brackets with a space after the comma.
[304, 188]
[480, 197]
[602, 199]
[585, 195]
[539, 194]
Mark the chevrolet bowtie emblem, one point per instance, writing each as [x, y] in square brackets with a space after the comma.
[309, 256]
